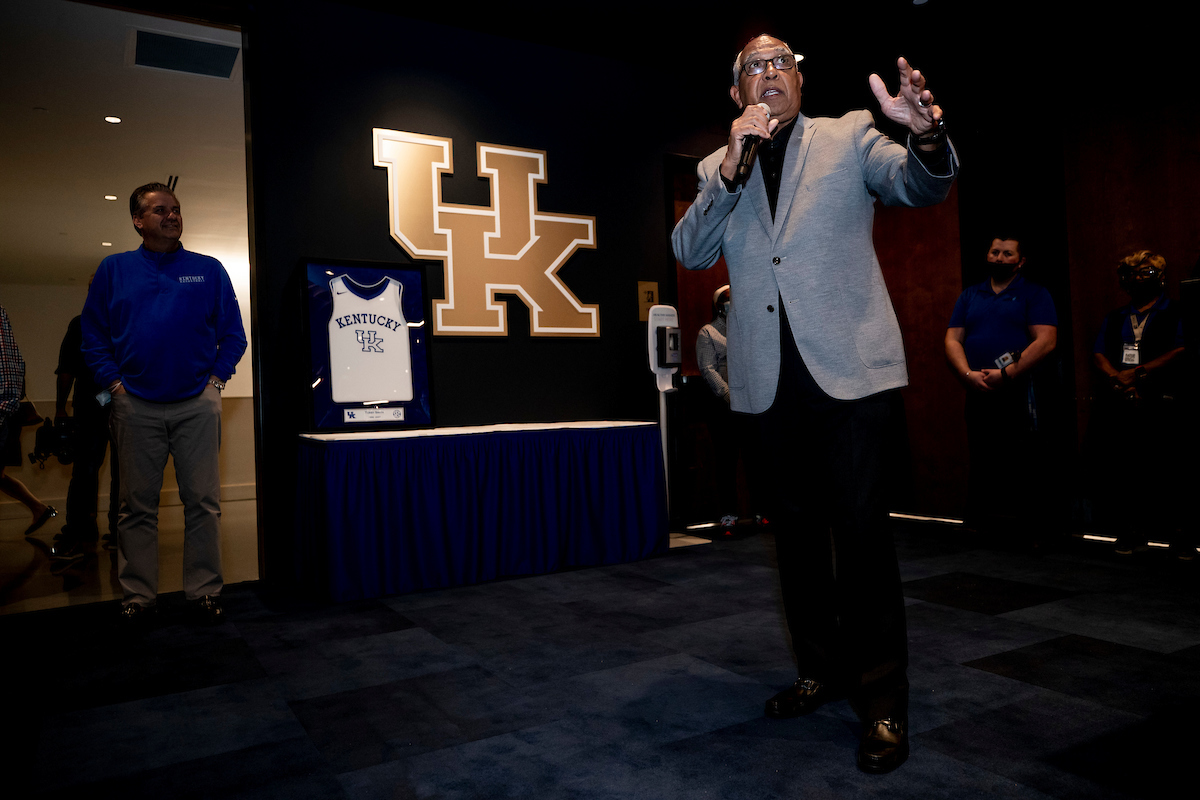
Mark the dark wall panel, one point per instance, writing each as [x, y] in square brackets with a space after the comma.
[320, 77]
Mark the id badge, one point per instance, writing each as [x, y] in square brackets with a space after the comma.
[1130, 355]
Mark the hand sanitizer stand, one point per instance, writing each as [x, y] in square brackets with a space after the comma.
[663, 343]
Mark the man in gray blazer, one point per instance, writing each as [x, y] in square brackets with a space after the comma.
[815, 353]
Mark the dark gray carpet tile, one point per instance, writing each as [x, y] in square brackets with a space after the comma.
[699, 563]
[292, 629]
[652, 701]
[752, 643]
[946, 633]
[341, 665]
[288, 770]
[150, 668]
[921, 540]
[725, 572]
[760, 759]
[563, 652]
[370, 726]
[666, 699]
[1151, 759]
[658, 700]
[1191, 655]
[553, 588]
[980, 593]
[814, 757]
[129, 738]
[1027, 740]
[84, 660]
[1071, 569]
[1127, 678]
[583, 754]
[611, 581]
[941, 693]
[531, 643]
[1162, 619]
[473, 618]
[695, 601]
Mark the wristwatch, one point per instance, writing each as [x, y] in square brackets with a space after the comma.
[935, 135]
[220, 385]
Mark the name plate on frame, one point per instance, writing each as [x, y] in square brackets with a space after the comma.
[351, 416]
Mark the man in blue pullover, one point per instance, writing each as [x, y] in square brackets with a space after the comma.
[162, 334]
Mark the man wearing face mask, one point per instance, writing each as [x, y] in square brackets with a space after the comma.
[1138, 354]
[999, 332]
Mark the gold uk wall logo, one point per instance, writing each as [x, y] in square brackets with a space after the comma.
[508, 247]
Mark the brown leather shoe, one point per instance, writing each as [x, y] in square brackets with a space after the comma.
[802, 697]
[884, 746]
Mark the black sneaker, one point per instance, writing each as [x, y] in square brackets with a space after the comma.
[208, 610]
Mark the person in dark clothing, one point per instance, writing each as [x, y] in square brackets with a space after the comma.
[1137, 424]
[89, 431]
[1000, 331]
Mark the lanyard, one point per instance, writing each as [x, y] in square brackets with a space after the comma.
[1138, 326]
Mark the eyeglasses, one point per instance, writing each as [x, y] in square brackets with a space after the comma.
[782, 62]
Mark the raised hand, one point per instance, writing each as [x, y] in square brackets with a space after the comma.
[913, 105]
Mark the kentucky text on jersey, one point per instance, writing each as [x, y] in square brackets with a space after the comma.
[368, 319]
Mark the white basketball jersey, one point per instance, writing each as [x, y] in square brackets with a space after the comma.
[368, 344]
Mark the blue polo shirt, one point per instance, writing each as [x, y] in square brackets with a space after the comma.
[1127, 327]
[995, 324]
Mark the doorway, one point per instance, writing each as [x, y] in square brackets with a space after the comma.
[96, 102]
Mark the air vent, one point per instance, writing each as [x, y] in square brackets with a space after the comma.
[184, 55]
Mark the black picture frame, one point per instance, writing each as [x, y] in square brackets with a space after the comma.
[367, 279]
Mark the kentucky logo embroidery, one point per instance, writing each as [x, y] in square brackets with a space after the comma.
[370, 342]
[509, 247]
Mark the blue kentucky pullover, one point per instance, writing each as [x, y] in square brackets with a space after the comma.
[161, 323]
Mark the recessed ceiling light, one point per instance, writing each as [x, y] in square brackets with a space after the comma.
[110, 197]
[106, 244]
[113, 120]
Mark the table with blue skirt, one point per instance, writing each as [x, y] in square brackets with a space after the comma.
[383, 513]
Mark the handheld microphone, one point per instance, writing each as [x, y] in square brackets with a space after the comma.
[749, 147]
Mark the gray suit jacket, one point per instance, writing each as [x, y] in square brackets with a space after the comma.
[817, 256]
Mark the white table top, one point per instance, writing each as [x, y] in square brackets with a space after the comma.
[361, 436]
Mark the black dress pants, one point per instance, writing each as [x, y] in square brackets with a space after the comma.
[828, 465]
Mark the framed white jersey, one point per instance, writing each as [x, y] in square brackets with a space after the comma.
[369, 356]
[366, 328]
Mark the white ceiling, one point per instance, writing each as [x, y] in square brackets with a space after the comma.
[65, 66]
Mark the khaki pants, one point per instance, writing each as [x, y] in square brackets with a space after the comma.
[145, 433]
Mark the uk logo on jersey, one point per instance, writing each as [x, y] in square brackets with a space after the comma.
[369, 341]
[508, 247]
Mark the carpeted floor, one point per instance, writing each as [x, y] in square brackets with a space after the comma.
[1067, 675]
